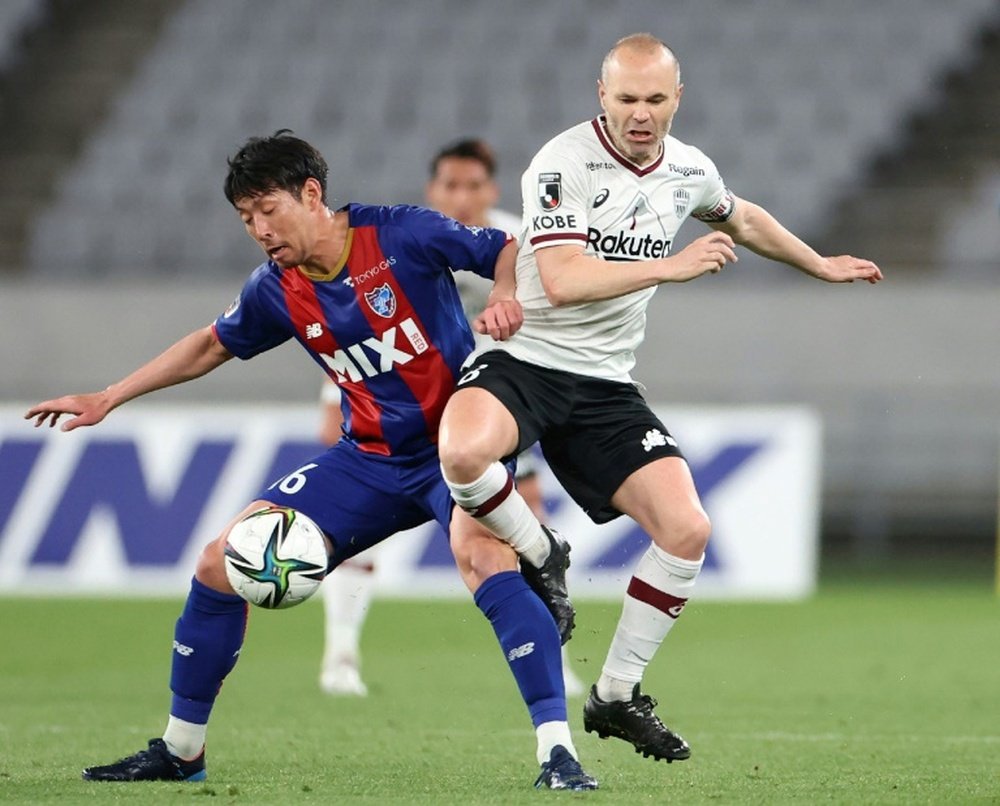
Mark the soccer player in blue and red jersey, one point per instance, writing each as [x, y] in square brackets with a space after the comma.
[368, 293]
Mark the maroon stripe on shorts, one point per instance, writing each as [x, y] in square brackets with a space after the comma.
[644, 592]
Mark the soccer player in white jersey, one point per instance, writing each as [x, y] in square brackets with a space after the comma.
[602, 204]
[463, 186]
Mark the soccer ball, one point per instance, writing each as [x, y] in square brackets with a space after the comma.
[275, 557]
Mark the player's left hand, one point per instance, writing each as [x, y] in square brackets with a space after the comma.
[847, 269]
[500, 319]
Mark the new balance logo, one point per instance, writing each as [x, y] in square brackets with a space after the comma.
[356, 362]
[657, 439]
[314, 331]
[521, 651]
[182, 650]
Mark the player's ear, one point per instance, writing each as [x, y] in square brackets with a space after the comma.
[601, 92]
[312, 193]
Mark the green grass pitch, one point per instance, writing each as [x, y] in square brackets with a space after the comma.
[867, 693]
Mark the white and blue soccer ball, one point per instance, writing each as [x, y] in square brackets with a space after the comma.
[275, 557]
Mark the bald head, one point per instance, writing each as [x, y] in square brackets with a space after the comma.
[639, 90]
[638, 47]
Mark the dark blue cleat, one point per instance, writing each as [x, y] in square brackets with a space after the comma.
[154, 764]
[562, 771]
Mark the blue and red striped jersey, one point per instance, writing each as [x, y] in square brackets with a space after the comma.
[386, 324]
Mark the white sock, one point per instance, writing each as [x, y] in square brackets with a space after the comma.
[184, 739]
[347, 594]
[574, 685]
[549, 734]
[504, 512]
[659, 589]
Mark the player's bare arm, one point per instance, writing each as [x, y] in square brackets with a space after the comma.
[570, 276]
[755, 228]
[193, 356]
[502, 316]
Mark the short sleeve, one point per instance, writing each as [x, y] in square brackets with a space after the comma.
[249, 326]
[717, 202]
[555, 195]
[446, 243]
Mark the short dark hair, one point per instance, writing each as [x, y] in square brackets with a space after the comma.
[278, 162]
[469, 149]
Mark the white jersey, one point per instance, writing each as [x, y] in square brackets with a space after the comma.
[475, 290]
[579, 189]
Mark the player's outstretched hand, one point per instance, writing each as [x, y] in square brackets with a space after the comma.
[500, 320]
[706, 255]
[89, 409]
[847, 269]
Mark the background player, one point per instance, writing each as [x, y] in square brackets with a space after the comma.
[367, 292]
[463, 186]
[602, 203]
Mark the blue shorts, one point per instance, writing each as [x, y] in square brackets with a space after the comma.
[360, 500]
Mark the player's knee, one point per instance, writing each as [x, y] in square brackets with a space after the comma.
[210, 569]
[695, 534]
[688, 536]
[465, 460]
[480, 558]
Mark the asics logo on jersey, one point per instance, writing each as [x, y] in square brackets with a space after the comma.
[183, 650]
[358, 361]
[622, 244]
[601, 197]
[685, 170]
[521, 651]
[655, 438]
[370, 274]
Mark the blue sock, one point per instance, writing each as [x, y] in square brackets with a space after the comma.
[530, 642]
[207, 641]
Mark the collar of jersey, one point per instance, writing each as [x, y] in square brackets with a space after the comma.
[325, 276]
[600, 127]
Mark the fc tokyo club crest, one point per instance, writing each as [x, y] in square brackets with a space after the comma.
[550, 190]
[382, 300]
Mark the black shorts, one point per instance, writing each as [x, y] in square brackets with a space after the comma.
[594, 433]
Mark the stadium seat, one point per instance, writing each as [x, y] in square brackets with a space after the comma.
[774, 95]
